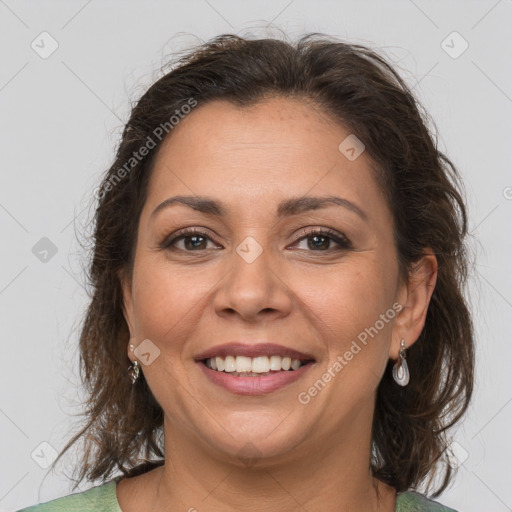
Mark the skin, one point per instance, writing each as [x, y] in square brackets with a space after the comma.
[317, 300]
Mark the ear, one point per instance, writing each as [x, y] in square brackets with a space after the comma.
[414, 297]
[127, 306]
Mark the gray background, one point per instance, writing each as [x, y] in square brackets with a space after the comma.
[61, 118]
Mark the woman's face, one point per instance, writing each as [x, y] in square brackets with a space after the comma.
[256, 275]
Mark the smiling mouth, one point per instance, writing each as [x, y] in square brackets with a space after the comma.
[243, 366]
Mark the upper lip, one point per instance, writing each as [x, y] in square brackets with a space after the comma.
[252, 350]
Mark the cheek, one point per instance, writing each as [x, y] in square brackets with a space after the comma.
[354, 318]
[167, 298]
[346, 299]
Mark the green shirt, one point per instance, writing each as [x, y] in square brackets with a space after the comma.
[103, 498]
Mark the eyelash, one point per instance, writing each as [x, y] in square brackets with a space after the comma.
[343, 242]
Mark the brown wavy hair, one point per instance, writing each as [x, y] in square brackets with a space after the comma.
[357, 87]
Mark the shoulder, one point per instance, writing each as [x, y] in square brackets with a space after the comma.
[411, 501]
[102, 497]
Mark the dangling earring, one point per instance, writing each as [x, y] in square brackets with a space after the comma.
[400, 369]
[133, 371]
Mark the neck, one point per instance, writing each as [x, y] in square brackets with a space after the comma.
[195, 479]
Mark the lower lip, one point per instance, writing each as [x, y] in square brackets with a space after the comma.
[254, 385]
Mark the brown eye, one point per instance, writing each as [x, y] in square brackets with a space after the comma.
[194, 240]
[320, 241]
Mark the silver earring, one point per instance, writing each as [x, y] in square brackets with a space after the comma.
[133, 371]
[400, 369]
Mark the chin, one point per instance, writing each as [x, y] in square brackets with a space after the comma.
[251, 438]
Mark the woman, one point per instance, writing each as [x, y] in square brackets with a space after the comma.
[279, 253]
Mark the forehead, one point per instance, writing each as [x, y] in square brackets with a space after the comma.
[248, 155]
[273, 126]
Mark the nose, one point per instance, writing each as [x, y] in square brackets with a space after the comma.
[254, 287]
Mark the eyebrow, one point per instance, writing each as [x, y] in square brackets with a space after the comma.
[287, 207]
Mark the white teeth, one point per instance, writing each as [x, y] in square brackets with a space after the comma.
[260, 364]
[252, 365]
[295, 364]
[243, 364]
[229, 364]
[275, 362]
